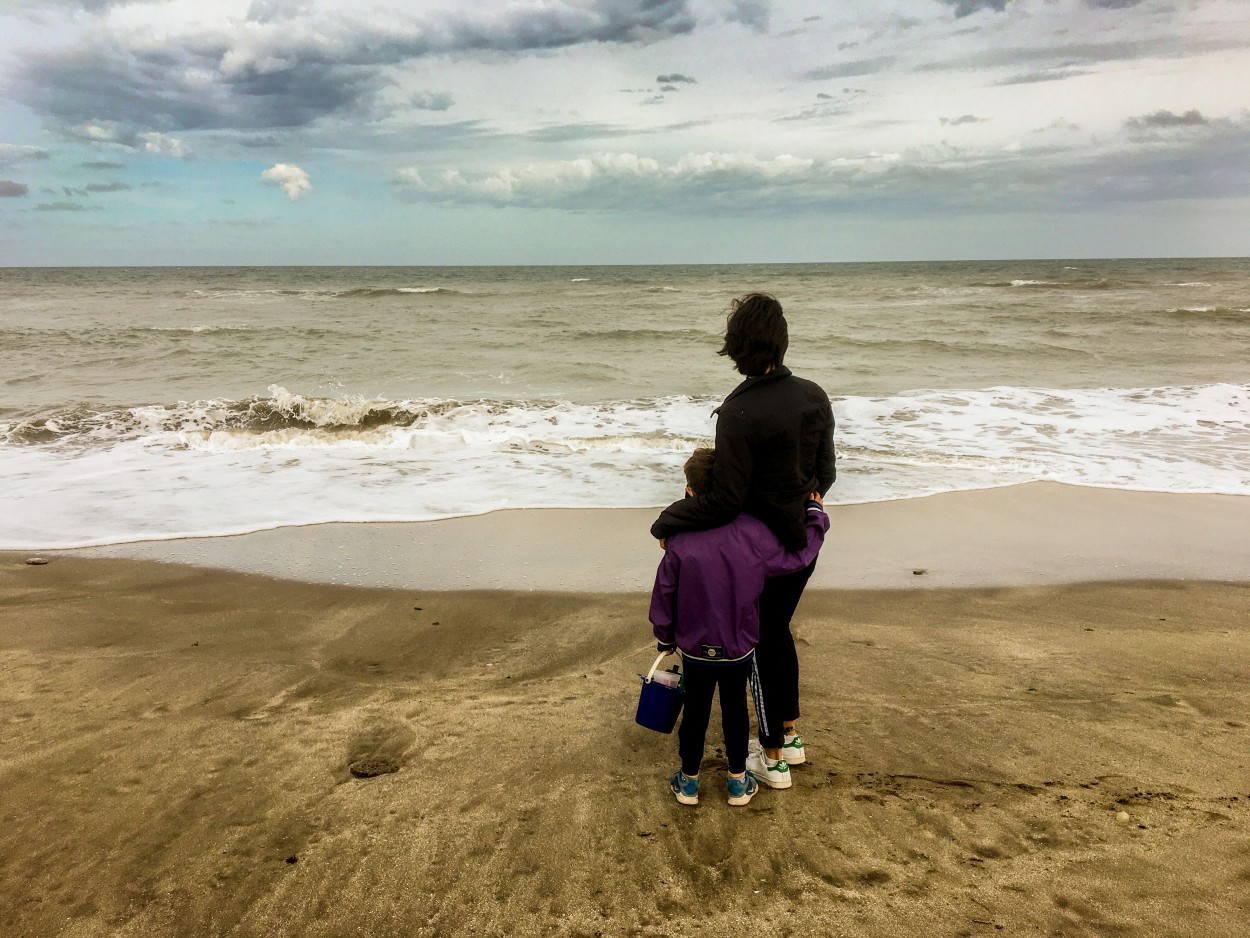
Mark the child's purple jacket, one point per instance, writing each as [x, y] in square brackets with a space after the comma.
[707, 588]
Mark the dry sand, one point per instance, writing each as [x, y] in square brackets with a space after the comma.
[175, 742]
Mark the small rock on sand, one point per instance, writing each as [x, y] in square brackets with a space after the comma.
[369, 768]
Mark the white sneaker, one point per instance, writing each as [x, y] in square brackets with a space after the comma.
[792, 749]
[773, 774]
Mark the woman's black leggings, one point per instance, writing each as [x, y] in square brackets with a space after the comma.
[776, 686]
[702, 679]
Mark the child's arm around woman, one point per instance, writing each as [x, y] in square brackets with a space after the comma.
[779, 561]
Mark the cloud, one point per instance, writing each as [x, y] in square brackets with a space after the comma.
[244, 222]
[108, 187]
[288, 66]
[431, 101]
[1054, 62]
[12, 153]
[1168, 119]
[1206, 163]
[98, 6]
[124, 135]
[622, 181]
[1030, 78]
[963, 119]
[826, 106]
[675, 79]
[66, 207]
[159, 143]
[851, 69]
[293, 180]
[102, 164]
[752, 13]
[563, 133]
[968, 7]
[12, 190]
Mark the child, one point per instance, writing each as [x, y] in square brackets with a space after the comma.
[705, 604]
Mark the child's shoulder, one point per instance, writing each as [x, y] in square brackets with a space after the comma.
[742, 528]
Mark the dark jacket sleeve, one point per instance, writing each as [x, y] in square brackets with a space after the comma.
[826, 469]
[663, 613]
[778, 561]
[731, 479]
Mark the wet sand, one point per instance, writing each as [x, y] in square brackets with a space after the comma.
[1020, 535]
[1063, 759]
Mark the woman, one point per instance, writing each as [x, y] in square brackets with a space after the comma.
[774, 445]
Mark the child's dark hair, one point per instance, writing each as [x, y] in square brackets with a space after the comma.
[756, 335]
[698, 470]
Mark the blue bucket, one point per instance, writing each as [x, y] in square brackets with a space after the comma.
[658, 704]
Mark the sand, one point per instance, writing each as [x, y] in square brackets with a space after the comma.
[175, 743]
[1031, 534]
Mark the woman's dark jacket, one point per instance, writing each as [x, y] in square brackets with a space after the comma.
[774, 445]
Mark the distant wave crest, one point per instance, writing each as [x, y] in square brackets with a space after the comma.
[314, 294]
[1086, 283]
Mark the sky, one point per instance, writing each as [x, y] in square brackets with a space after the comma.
[159, 132]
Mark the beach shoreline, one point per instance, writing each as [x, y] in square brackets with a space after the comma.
[1032, 534]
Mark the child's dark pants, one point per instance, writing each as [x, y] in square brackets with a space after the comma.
[702, 679]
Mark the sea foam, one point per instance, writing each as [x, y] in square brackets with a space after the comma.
[106, 475]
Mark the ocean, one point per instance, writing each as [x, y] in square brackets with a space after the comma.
[154, 403]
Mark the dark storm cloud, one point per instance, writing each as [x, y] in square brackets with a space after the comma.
[1168, 119]
[1112, 4]
[674, 79]
[283, 70]
[851, 69]
[12, 190]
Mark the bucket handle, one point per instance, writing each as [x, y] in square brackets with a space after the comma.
[651, 673]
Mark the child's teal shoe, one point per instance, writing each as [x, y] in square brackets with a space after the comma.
[741, 790]
[685, 788]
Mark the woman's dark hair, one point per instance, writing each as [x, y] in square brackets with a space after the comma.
[698, 470]
[756, 336]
